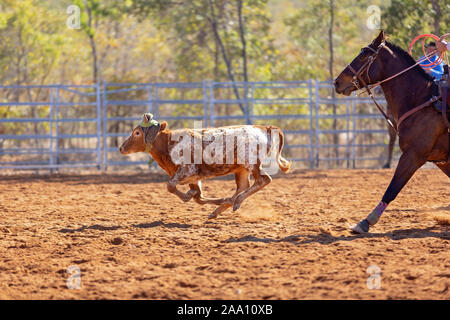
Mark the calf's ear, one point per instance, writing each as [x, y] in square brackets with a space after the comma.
[163, 126]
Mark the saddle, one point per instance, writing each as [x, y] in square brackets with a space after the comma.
[443, 104]
[438, 104]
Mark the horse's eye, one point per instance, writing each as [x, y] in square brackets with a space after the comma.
[137, 133]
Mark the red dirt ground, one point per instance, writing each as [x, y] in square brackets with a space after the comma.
[131, 239]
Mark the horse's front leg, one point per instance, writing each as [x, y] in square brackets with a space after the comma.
[408, 164]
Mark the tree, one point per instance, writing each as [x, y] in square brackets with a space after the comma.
[402, 23]
[205, 30]
[307, 27]
[30, 48]
[93, 13]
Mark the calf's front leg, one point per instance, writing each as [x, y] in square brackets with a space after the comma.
[182, 173]
[196, 190]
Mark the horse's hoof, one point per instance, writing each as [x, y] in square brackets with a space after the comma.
[386, 166]
[361, 227]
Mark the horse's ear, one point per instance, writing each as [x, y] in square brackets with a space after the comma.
[379, 39]
[163, 126]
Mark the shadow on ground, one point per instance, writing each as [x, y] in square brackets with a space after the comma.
[140, 225]
[325, 238]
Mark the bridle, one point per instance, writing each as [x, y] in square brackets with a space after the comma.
[365, 67]
[357, 80]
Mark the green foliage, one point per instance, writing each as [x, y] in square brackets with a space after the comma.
[156, 40]
[31, 42]
[405, 19]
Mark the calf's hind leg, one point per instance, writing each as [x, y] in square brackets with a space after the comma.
[261, 180]
[242, 183]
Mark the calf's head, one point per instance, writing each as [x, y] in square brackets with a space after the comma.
[143, 136]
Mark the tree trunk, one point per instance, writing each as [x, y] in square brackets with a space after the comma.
[213, 21]
[437, 16]
[93, 46]
[244, 56]
[330, 69]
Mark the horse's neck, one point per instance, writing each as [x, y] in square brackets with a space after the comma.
[406, 91]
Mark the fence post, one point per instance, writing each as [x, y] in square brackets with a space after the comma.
[211, 103]
[347, 151]
[311, 126]
[150, 99]
[99, 126]
[247, 111]
[354, 134]
[205, 103]
[156, 108]
[252, 101]
[52, 106]
[317, 144]
[105, 127]
[56, 111]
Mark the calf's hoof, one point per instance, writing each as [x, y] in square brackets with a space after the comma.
[237, 203]
[361, 227]
[212, 215]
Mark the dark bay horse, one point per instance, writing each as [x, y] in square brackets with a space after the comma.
[423, 136]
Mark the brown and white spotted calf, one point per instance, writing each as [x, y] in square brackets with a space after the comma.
[189, 156]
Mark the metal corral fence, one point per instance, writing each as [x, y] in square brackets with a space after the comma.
[80, 126]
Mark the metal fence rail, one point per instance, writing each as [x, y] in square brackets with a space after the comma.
[45, 142]
[61, 126]
[353, 111]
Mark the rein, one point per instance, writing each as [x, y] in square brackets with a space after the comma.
[366, 67]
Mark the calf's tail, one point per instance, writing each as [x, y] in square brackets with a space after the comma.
[284, 164]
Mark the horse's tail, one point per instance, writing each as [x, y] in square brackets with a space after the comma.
[284, 164]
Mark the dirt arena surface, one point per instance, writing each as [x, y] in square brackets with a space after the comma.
[131, 239]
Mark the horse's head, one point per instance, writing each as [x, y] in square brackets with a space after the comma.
[365, 69]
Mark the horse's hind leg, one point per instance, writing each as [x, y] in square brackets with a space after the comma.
[242, 183]
[408, 164]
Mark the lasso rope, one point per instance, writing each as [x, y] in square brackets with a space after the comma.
[426, 36]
